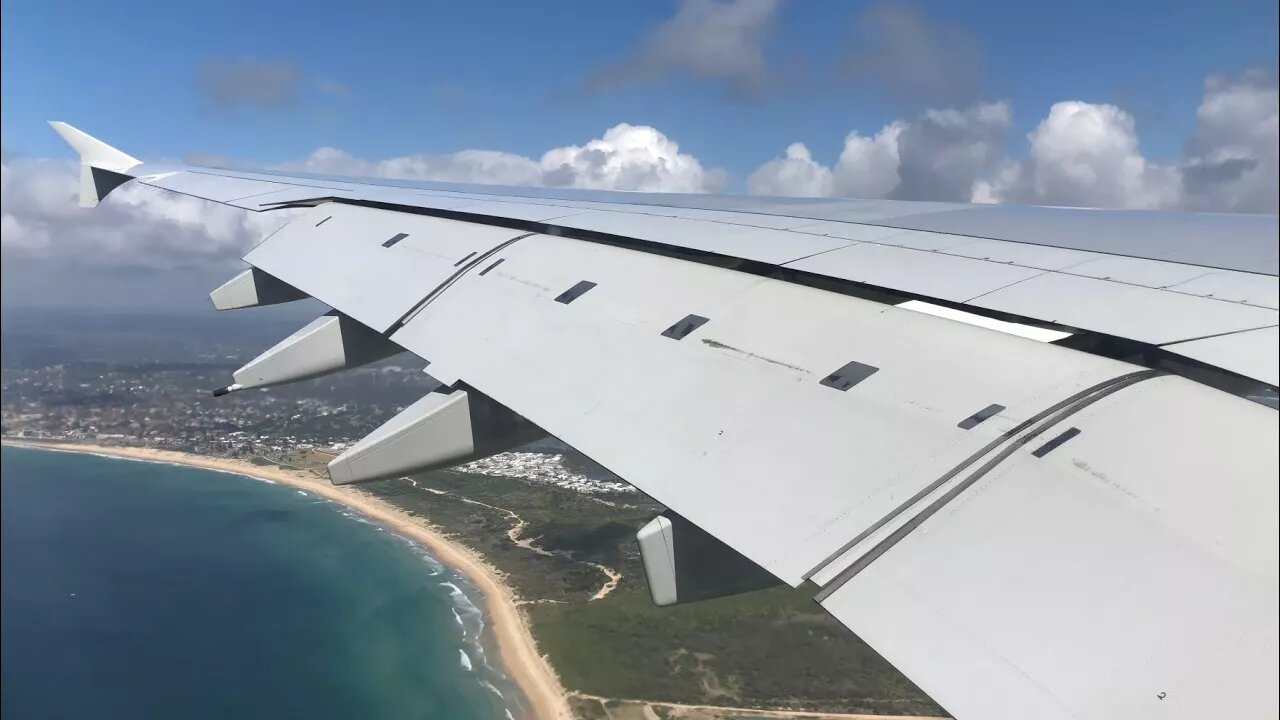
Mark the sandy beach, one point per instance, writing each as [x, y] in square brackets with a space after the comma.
[520, 657]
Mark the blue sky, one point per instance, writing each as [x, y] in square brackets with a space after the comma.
[437, 77]
[1097, 104]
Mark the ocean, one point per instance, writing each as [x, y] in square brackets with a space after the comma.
[147, 590]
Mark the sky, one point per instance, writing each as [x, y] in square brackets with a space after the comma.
[1140, 104]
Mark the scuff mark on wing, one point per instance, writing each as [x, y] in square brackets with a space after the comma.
[721, 346]
[522, 281]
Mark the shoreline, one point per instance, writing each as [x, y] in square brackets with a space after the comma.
[517, 649]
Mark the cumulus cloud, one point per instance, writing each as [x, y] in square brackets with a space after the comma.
[141, 225]
[940, 155]
[912, 57]
[479, 166]
[137, 226]
[868, 166]
[249, 81]
[1080, 154]
[626, 157]
[1231, 161]
[795, 174]
[943, 153]
[721, 40]
[139, 230]
[629, 157]
[1086, 154]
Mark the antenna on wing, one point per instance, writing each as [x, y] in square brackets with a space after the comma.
[102, 167]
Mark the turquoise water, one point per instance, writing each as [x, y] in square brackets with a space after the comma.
[145, 590]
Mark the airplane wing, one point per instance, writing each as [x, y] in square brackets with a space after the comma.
[1029, 454]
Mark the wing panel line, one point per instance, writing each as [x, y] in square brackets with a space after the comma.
[1055, 413]
[1216, 335]
[417, 308]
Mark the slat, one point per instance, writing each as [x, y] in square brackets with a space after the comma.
[519, 210]
[271, 200]
[1128, 311]
[760, 244]
[1034, 256]
[1137, 271]
[1260, 290]
[1236, 242]
[924, 241]
[931, 274]
[858, 233]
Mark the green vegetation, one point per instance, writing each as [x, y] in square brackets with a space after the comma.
[767, 649]
[774, 648]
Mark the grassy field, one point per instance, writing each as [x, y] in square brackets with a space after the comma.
[773, 648]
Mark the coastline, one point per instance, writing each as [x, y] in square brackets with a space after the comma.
[526, 667]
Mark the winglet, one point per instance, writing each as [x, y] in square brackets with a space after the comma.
[102, 167]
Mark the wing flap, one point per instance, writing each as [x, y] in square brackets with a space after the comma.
[1112, 576]
[1151, 316]
[738, 402]
[936, 275]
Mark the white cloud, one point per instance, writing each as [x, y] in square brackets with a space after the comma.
[1085, 154]
[626, 157]
[1232, 156]
[942, 154]
[714, 39]
[938, 156]
[1080, 154]
[479, 166]
[1088, 154]
[868, 166]
[136, 226]
[795, 174]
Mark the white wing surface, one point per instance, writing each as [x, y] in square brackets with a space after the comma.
[1029, 454]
